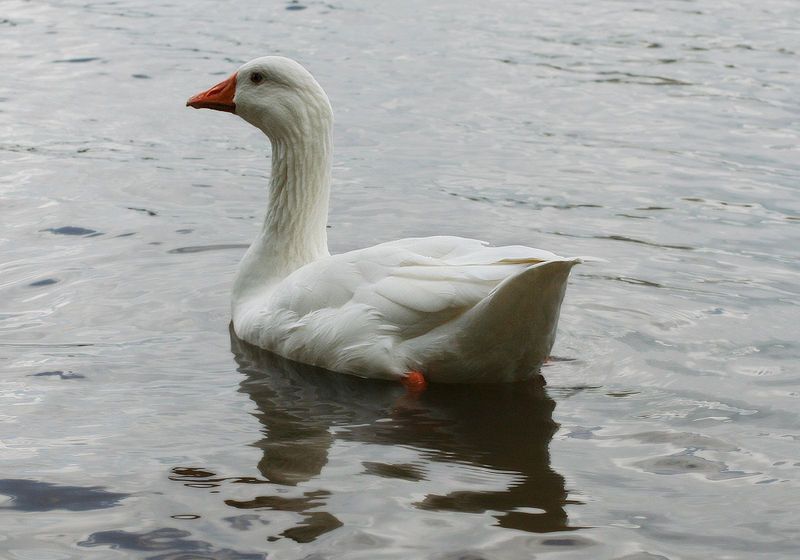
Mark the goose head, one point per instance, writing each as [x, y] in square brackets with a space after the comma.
[274, 94]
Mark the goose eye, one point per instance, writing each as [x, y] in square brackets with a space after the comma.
[256, 77]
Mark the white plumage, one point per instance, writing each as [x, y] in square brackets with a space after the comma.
[454, 309]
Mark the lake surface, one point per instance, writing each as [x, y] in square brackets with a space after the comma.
[662, 137]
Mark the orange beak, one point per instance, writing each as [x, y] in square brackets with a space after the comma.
[219, 97]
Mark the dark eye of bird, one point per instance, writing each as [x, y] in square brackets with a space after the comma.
[256, 77]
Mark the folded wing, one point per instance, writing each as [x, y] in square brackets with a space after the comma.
[410, 286]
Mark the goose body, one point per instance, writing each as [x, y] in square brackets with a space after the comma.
[452, 308]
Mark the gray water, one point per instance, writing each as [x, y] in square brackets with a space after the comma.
[659, 136]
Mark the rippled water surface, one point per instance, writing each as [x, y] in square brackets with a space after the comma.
[660, 136]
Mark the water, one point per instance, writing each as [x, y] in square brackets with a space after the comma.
[662, 137]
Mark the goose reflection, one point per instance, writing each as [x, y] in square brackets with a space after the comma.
[504, 428]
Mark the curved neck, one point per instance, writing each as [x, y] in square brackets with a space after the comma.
[295, 226]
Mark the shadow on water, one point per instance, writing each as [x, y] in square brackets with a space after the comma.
[168, 544]
[35, 495]
[503, 428]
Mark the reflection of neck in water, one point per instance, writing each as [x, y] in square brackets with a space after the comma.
[505, 428]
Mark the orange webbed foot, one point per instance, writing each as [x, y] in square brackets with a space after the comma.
[414, 381]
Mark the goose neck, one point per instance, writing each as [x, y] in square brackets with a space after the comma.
[297, 213]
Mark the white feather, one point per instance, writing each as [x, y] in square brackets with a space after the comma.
[412, 303]
[455, 309]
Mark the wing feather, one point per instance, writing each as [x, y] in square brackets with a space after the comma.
[409, 286]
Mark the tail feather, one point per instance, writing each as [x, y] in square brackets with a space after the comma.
[507, 335]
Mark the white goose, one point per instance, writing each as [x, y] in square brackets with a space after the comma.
[441, 309]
